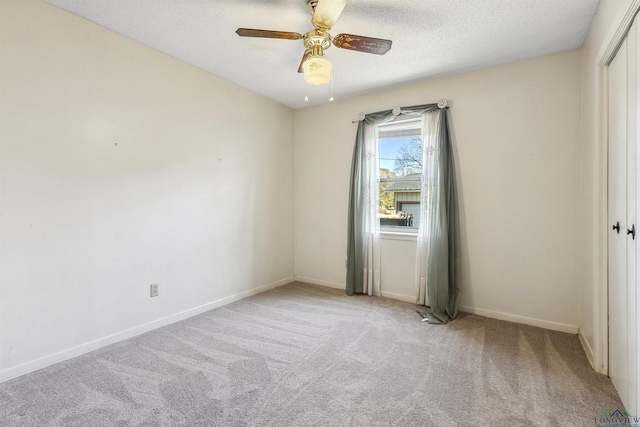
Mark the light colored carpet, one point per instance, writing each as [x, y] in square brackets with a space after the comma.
[304, 355]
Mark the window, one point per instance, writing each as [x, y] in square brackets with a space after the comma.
[400, 164]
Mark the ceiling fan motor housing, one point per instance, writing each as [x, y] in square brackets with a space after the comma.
[317, 38]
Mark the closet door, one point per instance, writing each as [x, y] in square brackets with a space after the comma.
[633, 132]
[624, 298]
[617, 195]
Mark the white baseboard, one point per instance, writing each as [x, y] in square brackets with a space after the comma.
[399, 297]
[586, 346]
[545, 324]
[320, 282]
[391, 295]
[43, 362]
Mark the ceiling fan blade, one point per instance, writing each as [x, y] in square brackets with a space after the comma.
[249, 32]
[326, 13]
[362, 44]
[307, 54]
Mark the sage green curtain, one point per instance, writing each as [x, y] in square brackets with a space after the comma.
[438, 249]
[363, 253]
[438, 254]
[355, 226]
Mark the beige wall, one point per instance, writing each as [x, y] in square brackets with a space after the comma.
[516, 130]
[121, 167]
[593, 179]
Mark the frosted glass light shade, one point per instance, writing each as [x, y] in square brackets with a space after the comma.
[327, 13]
[317, 70]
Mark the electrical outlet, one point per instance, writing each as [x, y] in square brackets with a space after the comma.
[153, 290]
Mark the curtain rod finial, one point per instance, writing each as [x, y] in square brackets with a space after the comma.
[361, 116]
[442, 103]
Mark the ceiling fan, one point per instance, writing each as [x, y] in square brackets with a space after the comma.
[316, 69]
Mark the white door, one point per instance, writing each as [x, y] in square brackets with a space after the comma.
[633, 134]
[617, 195]
[623, 218]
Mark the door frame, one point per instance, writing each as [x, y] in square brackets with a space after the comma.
[608, 50]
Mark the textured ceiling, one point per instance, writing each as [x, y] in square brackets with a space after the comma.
[431, 38]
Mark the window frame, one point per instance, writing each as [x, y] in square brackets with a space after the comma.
[401, 127]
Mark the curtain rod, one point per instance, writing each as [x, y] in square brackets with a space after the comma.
[442, 103]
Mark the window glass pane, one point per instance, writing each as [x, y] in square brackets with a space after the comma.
[400, 148]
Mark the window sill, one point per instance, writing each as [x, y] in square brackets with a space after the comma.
[395, 235]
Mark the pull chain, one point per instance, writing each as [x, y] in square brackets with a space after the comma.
[331, 83]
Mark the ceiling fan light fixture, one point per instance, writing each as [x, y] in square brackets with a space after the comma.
[317, 70]
[327, 12]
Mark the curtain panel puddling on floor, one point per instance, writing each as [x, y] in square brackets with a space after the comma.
[438, 254]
